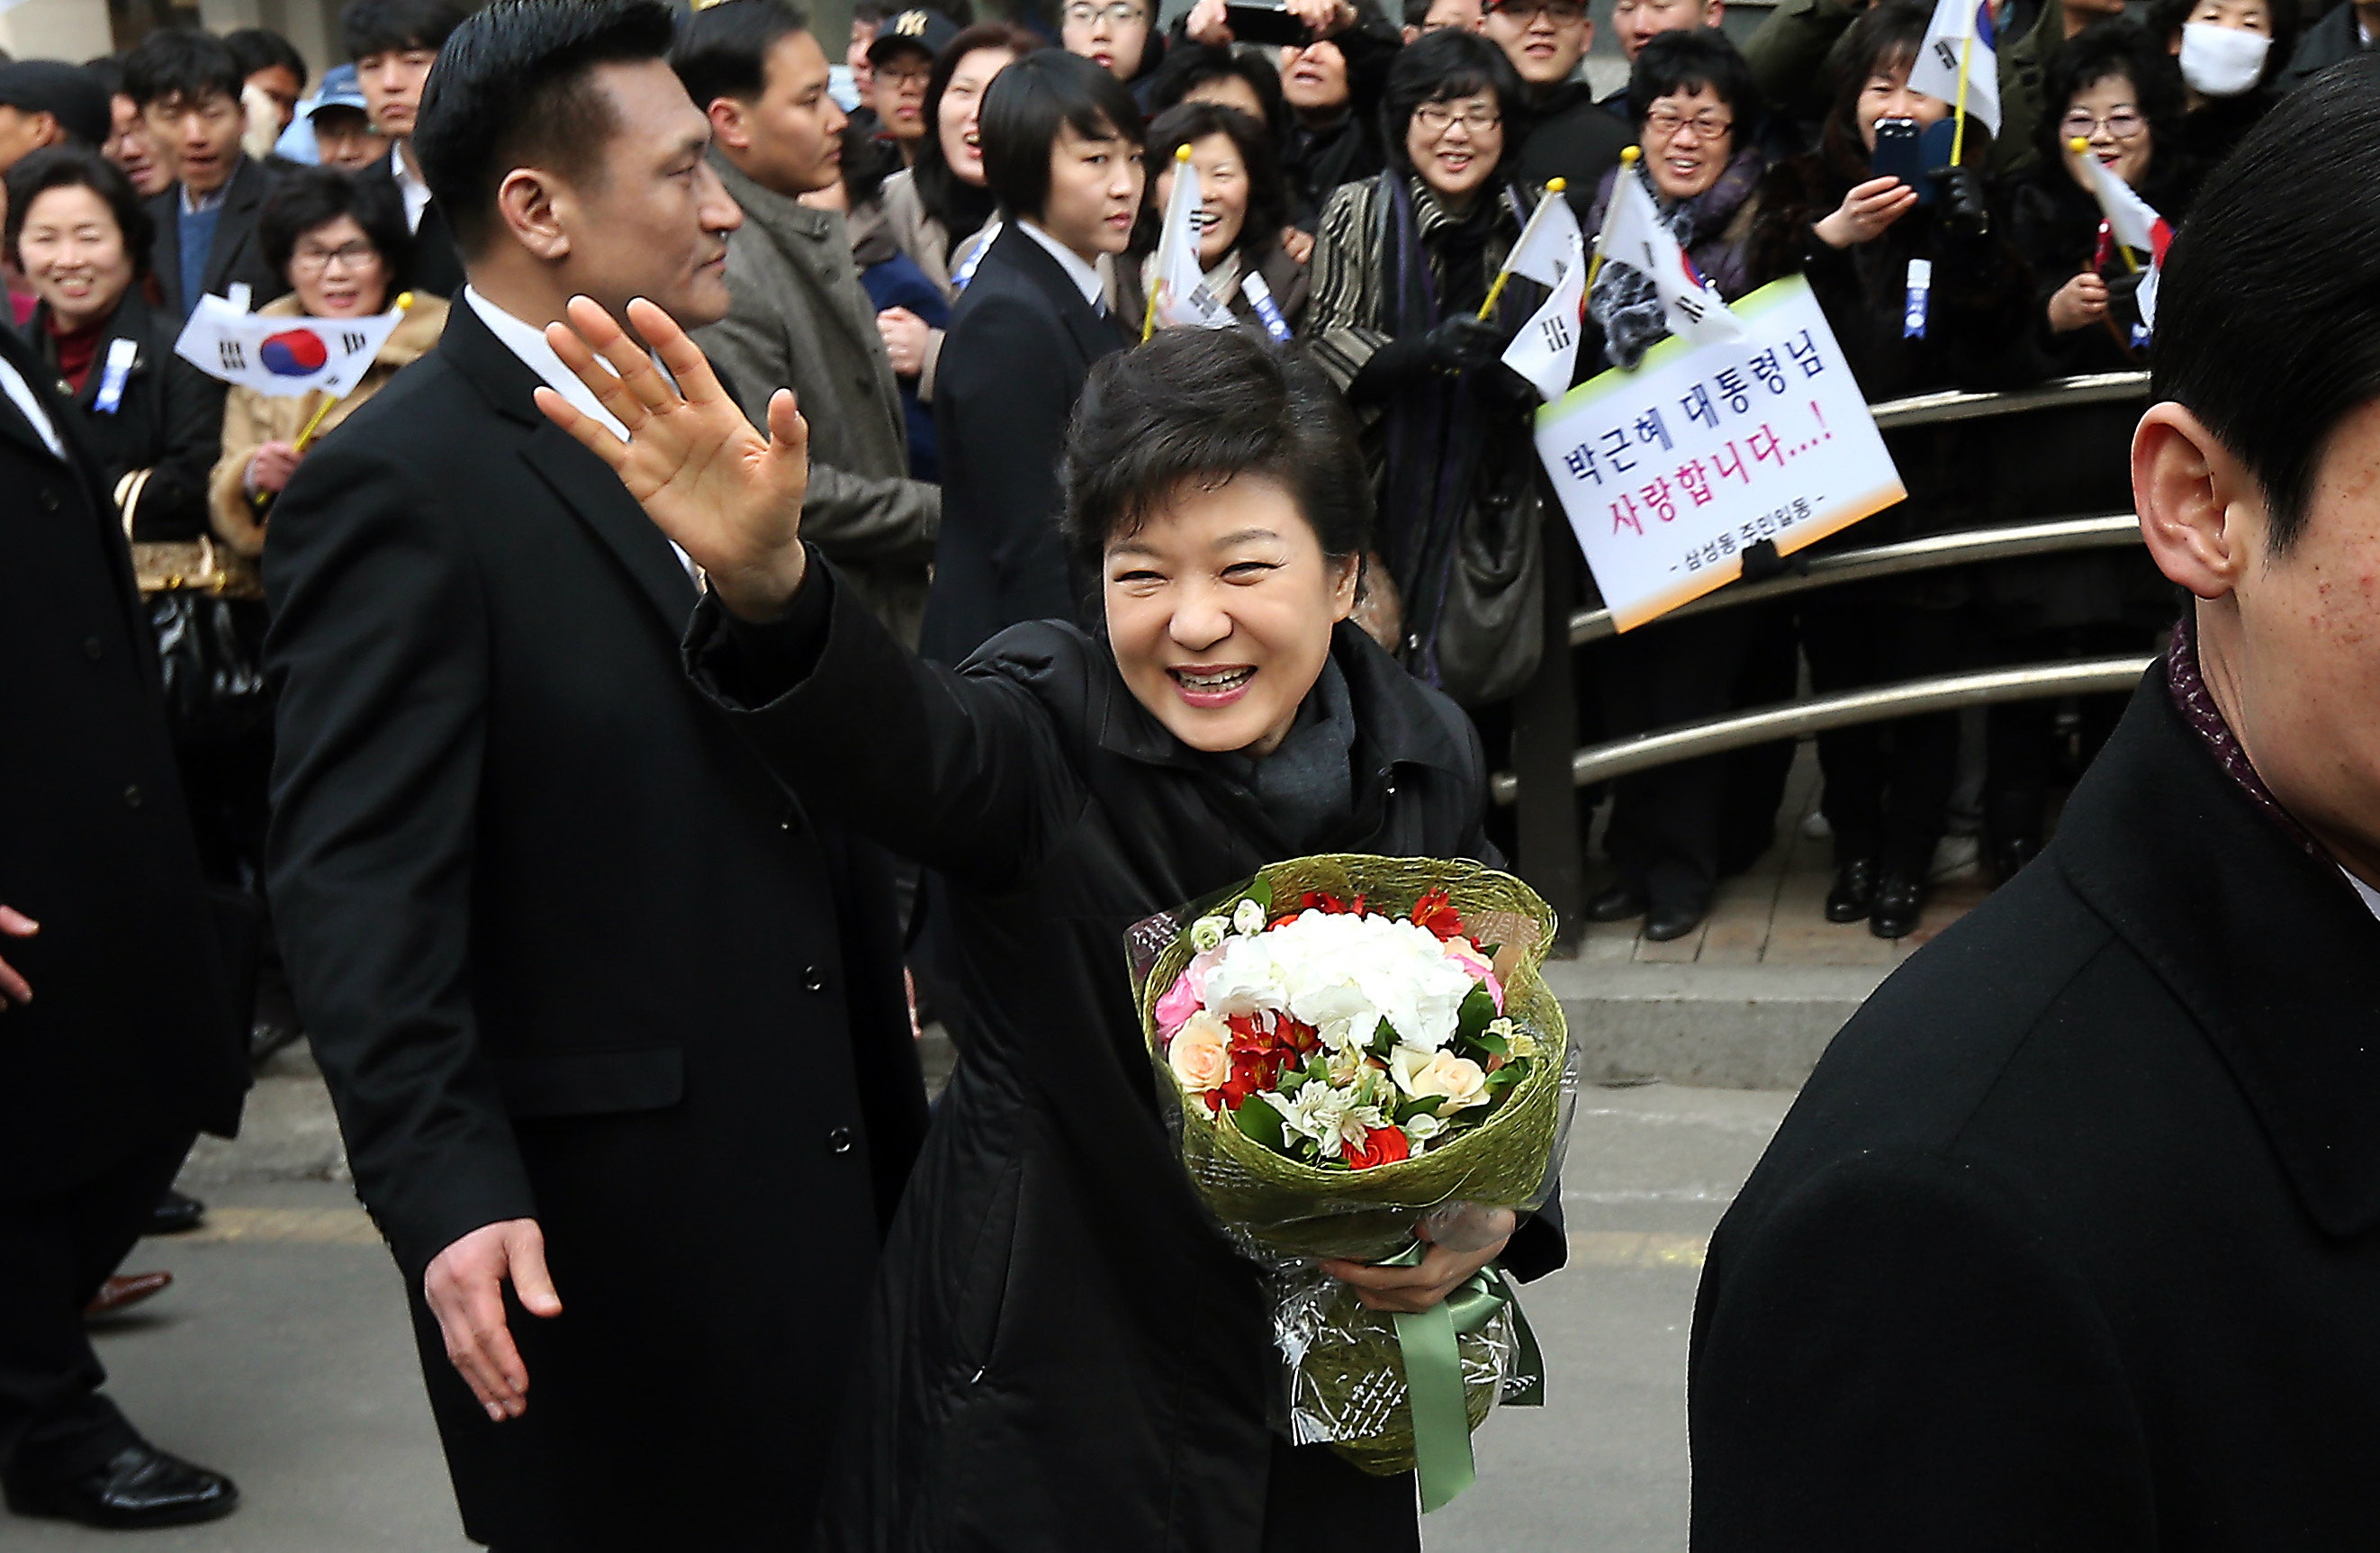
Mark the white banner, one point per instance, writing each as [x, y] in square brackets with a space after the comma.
[283, 358]
[1670, 472]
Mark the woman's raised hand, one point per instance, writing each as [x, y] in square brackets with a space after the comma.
[729, 496]
[2077, 304]
[1865, 212]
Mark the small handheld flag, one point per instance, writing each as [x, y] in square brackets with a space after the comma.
[283, 358]
[1545, 350]
[1178, 294]
[1529, 247]
[2134, 221]
[1958, 61]
[1634, 235]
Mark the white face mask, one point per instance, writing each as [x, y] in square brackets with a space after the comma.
[2221, 61]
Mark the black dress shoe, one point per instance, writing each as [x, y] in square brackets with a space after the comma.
[1618, 903]
[1898, 902]
[175, 1214]
[1853, 896]
[137, 1488]
[1664, 923]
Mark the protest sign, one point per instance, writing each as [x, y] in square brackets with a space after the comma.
[1670, 472]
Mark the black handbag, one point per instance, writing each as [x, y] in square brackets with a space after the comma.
[206, 611]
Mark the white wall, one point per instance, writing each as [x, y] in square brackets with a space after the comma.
[75, 29]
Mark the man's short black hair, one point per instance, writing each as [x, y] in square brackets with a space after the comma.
[722, 51]
[309, 198]
[514, 88]
[1199, 407]
[181, 63]
[260, 48]
[1027, 106]
[1689, 59]
[369, 27]
[2268, 310]
[1442, 66]
[73, 167]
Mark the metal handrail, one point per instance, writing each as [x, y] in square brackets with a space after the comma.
[1933, 409]
[1874, 703]
[1933, 550]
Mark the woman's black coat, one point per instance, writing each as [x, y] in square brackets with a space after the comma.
[1062, 1353]
[169, 420]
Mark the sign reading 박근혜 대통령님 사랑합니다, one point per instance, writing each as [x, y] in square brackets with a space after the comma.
[1670, 473]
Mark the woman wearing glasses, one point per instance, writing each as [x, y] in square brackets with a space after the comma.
[1401, 265]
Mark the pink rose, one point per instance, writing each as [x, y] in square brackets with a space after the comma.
[1174, 1008]
[1464, 952]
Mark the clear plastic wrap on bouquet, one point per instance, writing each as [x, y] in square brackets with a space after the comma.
[1346, 1383]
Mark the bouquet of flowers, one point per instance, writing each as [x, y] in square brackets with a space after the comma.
[1347, 1047]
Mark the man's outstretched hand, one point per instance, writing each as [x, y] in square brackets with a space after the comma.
[729, 496]
[464, 1287]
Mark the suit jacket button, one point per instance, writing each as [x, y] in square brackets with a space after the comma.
[49, 501]
[94, 649]
[839, 1141]
[813, 978]
[132, 796]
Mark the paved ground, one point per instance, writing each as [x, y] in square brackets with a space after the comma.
[281, 1355]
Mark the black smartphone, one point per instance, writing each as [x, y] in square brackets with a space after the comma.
[1901, 153]
[1266, 24]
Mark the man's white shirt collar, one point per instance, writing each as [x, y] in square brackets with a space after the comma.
[415, 193]
[28, 404]
[2371, 896]
[1085, 275]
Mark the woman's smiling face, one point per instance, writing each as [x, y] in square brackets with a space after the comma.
[1220, 610]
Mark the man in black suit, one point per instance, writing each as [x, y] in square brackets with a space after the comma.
[2072, 1241]
[1061, 149]
[394, 42]
[118, 1038]
[606, 1016]
[187, 85]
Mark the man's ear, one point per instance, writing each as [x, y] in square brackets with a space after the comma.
[532, 203]
[2202, 514]
[730, 127]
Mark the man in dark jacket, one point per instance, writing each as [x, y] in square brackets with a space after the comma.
[2069, 1242]
[2346, 31]
[607, 1016]
[394, 42]
[1569, 137]
[187, 85]
[118, 1042]
[797, 317]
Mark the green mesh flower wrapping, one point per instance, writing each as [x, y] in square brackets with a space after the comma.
[1347, 1383]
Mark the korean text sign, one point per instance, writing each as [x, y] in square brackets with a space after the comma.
[1670, 472]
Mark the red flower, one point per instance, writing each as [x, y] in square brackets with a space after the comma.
[1437, 913]
[1330, 906]
[1381, 1146]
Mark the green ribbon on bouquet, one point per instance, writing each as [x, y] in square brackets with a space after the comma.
[1441, 1418]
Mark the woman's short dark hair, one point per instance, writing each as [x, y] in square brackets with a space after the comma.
[260, 48]
[1688, 60]
[181, 63]
[2115, 50]
[1030, 103]
[72, 166]
[722, 51]
[1267, 187]
[515, 87]
[369, 27]
[1199, 407]
[1439, 67]
[309, 198]
[2166, 19]
[946, 197]
[2268, 310]
[1191, 66]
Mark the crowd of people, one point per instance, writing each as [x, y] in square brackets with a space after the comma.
[945, 246]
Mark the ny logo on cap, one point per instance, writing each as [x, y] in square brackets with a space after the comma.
[909, 24]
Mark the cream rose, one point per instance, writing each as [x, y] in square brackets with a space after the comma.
[1201, 1053]
[1422, 1074]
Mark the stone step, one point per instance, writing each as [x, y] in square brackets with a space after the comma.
[1714, 1027]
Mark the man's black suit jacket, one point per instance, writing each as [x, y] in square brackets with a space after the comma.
[2072, 1241]
[437, 263]
[567, 951]
[1022, 340]
[236, 254]
[130, 1032]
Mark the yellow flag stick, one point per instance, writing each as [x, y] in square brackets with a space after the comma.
[1554, 187]
[2081, 147]
[1959, 130]
[1629, 157]
[1148, 314]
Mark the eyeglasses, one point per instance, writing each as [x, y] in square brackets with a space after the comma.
[1710, 124]
[1437, 119]
[2081, 124]
[355, 256]
[905, 75]
[1118, 15]
[1562, 13]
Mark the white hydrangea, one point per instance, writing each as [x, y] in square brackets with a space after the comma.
[1343, 973]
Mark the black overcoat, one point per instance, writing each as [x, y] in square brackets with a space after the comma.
[168, 420]
[236, 254]
[567, 951]
[2072, 1241]
[131, 1031]
[1022, 340]
[1063, 1354]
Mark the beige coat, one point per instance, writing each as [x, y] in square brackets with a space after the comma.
[251, 419]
